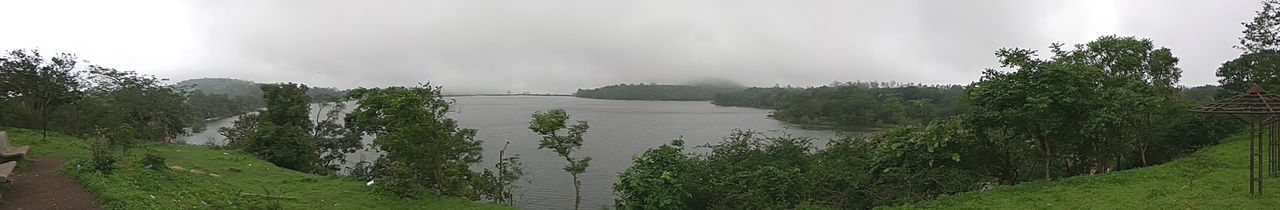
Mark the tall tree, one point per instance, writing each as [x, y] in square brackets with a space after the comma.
[1085, 107]
[563, 139]
[282, 135]
[157, 111]
[333, 141]
[1263, 32]
[40, 84]
[1260, 63]
[425, 150]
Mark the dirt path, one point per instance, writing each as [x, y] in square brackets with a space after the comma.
[41, 187]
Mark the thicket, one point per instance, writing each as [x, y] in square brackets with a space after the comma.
[1102, 106]
[656, 92]
[853, 103]
[425, 151]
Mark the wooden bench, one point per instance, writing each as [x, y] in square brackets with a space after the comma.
[6, 170]
[7, 150]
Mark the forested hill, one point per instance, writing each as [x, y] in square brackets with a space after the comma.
[656, 92]
[858, 104]
[222, 97]
[224, 86]
[244, 88]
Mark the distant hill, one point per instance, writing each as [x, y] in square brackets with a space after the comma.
[656, 92]
[236, 88]
[224, 86]
[224, 97]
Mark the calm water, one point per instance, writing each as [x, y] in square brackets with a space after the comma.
[619, 131]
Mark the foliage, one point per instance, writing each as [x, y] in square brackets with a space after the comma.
[499, 185]
[852, 104]
[333, 141]
[282, 135]
[212, 105]
[1103, 106]
[1208, 179]
[1260, 62]
[134, 186]
[224, 97]
[238, 134]
[1095, 108]
[117, 97]
[122, 138]
[1263, 32]
[425, 150]
[657, 179]
[656, 92]
[233, 88]
[103, 160]
[39, 84]
[563, 139]
[1260, 68]
[152, 160]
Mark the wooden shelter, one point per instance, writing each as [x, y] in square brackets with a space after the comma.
[1261, 110]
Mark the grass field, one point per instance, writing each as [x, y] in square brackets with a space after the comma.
[1214, 178]
[245, 182]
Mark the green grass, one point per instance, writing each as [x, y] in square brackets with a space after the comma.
[1214, 178]
[258, 184]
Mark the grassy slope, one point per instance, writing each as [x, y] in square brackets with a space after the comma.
[1215, 178]
[133, 187]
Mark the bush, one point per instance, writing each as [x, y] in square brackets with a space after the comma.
[102, 158]
[122, 138]
[152, 160]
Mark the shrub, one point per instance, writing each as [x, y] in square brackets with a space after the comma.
[101, 158]
[152, 160]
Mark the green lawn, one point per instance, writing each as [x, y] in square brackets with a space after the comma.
[1214, 178]
[257, 184]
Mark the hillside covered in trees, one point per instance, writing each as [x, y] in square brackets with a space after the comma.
[657, 92]
[859, 104]
[223, 97]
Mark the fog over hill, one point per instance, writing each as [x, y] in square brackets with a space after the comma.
[558, 46]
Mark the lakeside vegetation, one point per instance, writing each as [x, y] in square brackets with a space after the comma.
[1081, 126]
[243, 182]
[1208, 179]
[657, 92]
[1103, 106]
[853, 104]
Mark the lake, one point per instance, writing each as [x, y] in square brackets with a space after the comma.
[619, 131]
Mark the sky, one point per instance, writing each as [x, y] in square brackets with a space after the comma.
[558, 46]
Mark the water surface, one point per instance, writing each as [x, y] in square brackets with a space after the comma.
[619, 131]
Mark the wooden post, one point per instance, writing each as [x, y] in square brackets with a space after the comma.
[1256, 142]
[1253, 137]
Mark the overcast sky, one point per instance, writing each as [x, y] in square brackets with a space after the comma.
[559, 46]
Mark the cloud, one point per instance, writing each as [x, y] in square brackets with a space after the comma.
[560, 45]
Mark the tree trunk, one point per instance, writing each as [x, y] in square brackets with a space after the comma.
[44, 123]
[577, 193]
[1048, 154]
[1143, 151]
[1048, 159]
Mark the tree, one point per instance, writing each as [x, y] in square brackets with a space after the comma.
[1260, 62]
[282, 136]
[1085, 107]
[156, 110]
[425, 150]
[563, 139]
[657, 179]
[1263, 32]
[1260, 68]
[238, 134]
[333, 141]
[40, 84]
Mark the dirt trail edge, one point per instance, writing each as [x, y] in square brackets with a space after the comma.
[41, 187]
